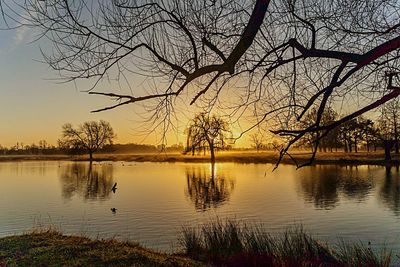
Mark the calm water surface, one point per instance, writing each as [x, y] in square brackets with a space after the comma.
[154, 200]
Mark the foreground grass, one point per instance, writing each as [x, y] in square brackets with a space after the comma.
[50, 248]
[218, 243]
[230, 243]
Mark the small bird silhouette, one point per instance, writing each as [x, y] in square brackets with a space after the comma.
[114, 188]
[114, 210]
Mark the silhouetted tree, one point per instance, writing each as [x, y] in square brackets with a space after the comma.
[369, 133]
[390, 122]
[328, 141]
[291, 55]
[354, 132]
[257, 141]
[90, 136]
[207, 131]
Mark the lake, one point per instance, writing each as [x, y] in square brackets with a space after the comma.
[154, 200]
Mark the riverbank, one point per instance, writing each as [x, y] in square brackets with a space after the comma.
[360, 158]
[51, 248]
[227, 244]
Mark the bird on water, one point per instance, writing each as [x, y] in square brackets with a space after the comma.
[114, 188]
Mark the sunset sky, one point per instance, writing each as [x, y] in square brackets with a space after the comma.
[35, 103]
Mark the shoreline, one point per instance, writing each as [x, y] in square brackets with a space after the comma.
[338, 158]
[53, 248]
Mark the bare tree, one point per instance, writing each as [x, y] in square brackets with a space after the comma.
[90, 136]
[205, 130]
[257, 140]
[280, 58]
[390, 115]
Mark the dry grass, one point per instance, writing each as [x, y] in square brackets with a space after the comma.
[229, 243]
[51, 248]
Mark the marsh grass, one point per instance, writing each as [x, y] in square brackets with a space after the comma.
[231, 243]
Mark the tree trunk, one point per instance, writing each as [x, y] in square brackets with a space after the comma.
[212, 153]
[396, 139]
[355, 146]
[388, 146]
[91, 156]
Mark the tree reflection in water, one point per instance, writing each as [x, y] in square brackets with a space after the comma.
[206, 188]
[90, 181]
[326, 185]
[390, 190]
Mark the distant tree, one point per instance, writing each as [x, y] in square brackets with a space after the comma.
[369, 133]
[207, 132]
[43, 144]
[257, 141]
[390, 114]
[386, 132]
[90, 136]
[328, 141]
[358, 132]
[355, 131]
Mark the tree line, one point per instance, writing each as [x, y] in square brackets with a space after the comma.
[86, 138]
[359, 132]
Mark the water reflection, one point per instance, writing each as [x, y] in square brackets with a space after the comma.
[390, 190]
[326, 185]
[206, 187]
[89, 181]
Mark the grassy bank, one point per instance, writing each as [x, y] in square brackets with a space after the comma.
[228, 244]
[361, 158]
[50, 248]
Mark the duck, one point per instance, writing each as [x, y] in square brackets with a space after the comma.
[114, 188]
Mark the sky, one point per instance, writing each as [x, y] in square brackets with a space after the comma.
[35, 103]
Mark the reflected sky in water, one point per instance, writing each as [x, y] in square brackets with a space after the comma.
[154, 200]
